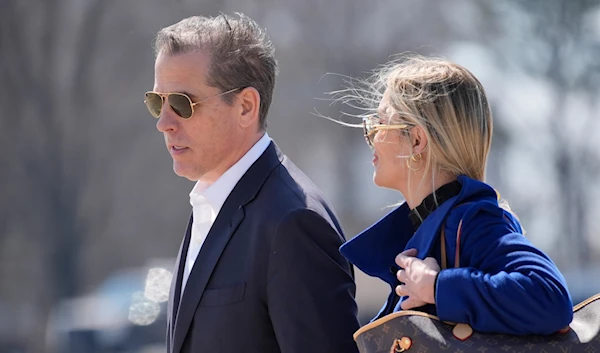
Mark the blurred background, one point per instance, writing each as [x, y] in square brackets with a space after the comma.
[93, 215]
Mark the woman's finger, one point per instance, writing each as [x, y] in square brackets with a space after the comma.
[401, 290]
[411, 303]
[401, 275]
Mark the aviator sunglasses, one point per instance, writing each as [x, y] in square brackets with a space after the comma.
[181, 103]
[371, 127]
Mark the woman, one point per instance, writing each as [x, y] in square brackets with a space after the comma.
[431, 135]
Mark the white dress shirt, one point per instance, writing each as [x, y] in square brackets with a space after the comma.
[207, 200]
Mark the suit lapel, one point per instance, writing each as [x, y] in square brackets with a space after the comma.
[229, 218]
[175, 290]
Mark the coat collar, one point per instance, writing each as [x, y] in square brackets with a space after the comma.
[374, 250]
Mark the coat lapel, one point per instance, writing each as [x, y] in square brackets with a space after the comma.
[374, 250]
[226, 223]
[428, 232]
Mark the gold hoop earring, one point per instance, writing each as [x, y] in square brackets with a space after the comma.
[415, 159]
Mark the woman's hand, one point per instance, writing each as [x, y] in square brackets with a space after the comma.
[418, 278]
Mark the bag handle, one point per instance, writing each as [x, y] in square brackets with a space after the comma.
[444, 259]
[460, 331]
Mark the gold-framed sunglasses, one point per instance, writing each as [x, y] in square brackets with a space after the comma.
[181, 103]
[370, 127]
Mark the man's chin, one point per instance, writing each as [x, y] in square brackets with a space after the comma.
[182, 171]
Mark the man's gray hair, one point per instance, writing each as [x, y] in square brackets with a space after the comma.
[241, 54]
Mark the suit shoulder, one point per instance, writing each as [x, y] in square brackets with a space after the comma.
[288, 184]
[288, 190]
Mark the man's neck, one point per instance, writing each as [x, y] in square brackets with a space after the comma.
[234, 157]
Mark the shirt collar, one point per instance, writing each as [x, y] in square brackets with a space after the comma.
[216, 193]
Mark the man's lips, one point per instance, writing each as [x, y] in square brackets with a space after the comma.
[176, 149]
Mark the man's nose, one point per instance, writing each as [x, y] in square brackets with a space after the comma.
[168, 120]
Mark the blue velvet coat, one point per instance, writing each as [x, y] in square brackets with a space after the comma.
[504, 284]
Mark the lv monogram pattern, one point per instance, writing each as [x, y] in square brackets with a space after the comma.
[431, 335]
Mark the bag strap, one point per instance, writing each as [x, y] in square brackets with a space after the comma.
[443, 247]
[444, 258]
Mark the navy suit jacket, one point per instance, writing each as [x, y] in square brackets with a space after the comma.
[269, 276]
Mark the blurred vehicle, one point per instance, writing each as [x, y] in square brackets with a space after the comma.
[125, 314]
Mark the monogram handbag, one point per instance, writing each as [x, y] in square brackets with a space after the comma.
[415, 331]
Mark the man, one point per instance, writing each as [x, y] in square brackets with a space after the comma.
[259, 268]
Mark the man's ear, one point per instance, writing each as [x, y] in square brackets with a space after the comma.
[249, 106]
[418, 140]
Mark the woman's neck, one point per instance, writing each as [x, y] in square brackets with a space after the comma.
[421, 187]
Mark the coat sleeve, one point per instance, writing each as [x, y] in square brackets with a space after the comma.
[509, 285]
[310, 289]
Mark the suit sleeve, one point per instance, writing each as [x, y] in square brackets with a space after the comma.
[310, 289]
[511, 286]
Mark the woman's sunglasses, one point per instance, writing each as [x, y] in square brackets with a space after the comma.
[370, 127]
[181, 103]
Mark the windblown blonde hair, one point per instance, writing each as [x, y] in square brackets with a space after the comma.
[443, 98]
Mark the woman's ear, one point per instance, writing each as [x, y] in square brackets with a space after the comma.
[418, 140]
